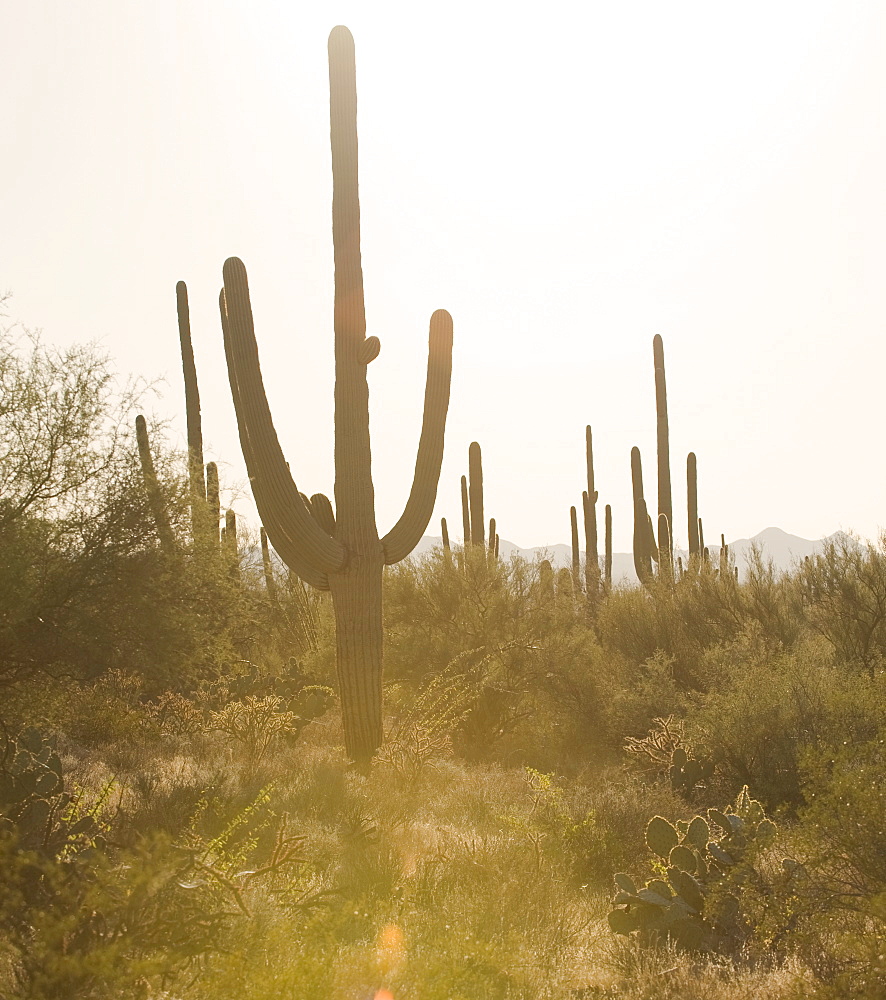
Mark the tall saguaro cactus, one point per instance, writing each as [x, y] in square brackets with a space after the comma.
[665, 505]
[589, 507]
[349, 562]
[692, 508]
[645, 546]
[192, 413]
[475, 493]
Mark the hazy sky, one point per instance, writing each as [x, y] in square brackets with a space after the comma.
[567, 180]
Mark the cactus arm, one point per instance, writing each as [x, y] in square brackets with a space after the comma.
[322, 512]
[407, 532]
[299, 540]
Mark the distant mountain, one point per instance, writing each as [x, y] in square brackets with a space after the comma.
[783, 549]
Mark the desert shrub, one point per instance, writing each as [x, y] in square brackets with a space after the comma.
[766, 711]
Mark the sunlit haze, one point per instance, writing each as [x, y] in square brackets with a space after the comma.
[567, 183]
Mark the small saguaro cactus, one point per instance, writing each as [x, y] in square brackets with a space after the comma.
[213, 498]
[199, 517]
[349, 562]
[576, 556]
[475, 493]
[152, 487]
[607, 558]
[692, 508]
[465, 512]
[270, 582]
[492, 539]
[645, 546]
[665, 505]
[444, 528]
[592, 556]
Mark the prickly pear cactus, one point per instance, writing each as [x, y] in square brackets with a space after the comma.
[686, 771]
[697, 857]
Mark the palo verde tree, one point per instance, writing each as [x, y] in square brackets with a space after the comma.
[349, 559]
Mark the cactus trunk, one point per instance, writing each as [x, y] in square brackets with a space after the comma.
[475, 491]
[589, 509]
[665, 505]
[607, 558]
[692, 507]
[576, 560]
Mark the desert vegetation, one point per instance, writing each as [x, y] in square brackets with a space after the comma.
[668, 790]
[559, 787]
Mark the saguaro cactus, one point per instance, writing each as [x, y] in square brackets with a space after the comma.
[645, 547]
[475, 493]
[465, 512]
[692, 508]
[607, 558]
[349, 562]
[589, 509]
[152, 487]
[192, 414]
[576, 557]
[665, 505]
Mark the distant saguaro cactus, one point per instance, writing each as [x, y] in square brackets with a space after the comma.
[465, 512]
[270, 582]
[350, 562]
[213, 497]
[692, 508]
[589, 509]
[607, 558]
[199, 516]
[475, 493]
[665, 505]
[576, 558]
[645, 546]
[152, 487]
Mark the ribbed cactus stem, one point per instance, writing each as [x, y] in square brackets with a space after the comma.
[546, 577]
[465, 512]
[724, 556]
[642, 555]
[576, 558]
[192, 413]
[213, 497]
[702, 547]
[270, 582]
[592, 555]
[665, 505]
[445, 530]
[692, 507]
[230, 542]
[491, 539]
[350, 561]
[607, 559]
[495, 550]
[152, 486]
[665, 566]
[321, 511]
[475, 491]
